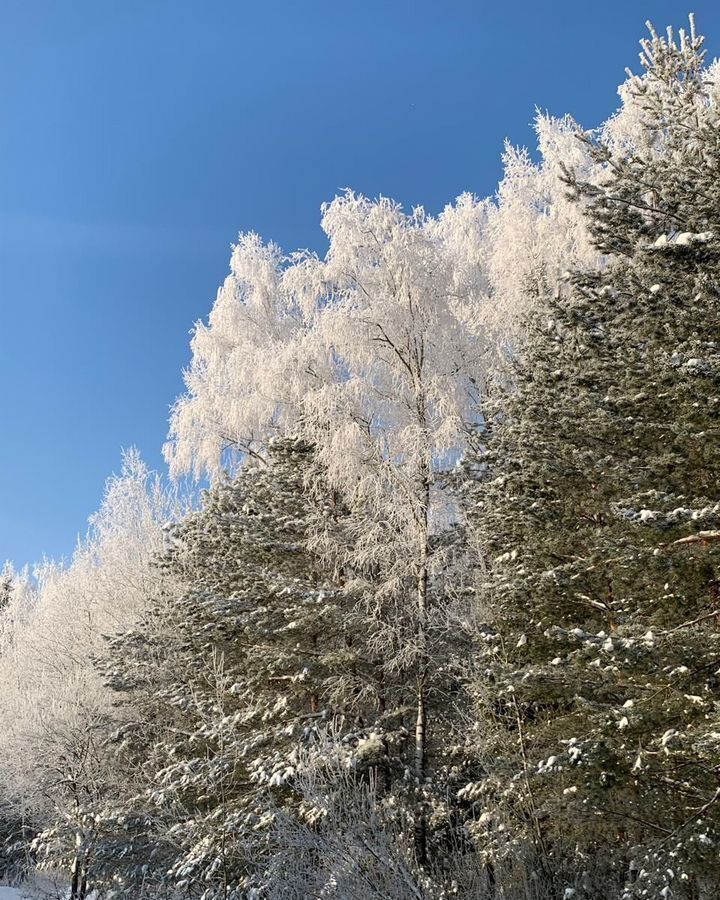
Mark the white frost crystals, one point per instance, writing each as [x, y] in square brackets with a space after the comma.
[683, 239]
[282, 336]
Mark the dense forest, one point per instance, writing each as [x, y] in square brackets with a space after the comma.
[430, 606]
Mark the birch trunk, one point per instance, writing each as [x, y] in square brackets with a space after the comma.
[420, 830]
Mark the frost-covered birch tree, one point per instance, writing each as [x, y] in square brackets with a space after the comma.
[385, 347]
[408, 379]
[56, 712]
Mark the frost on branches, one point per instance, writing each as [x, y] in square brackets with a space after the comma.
[601, 600]
[56, 713]
[445, 621]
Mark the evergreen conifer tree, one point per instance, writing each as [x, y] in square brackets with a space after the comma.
[249, 657]
[599, 522]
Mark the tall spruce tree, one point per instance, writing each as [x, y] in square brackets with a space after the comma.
[599, 524]
[249, 659]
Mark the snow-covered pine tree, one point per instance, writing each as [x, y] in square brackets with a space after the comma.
[253, 652]
[600, 525]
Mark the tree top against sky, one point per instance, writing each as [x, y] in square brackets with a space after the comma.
[141, 138]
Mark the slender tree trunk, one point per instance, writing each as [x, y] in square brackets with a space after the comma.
[83, 883]
[384, 785]
[420, 831]
[76, 869]
[75, 882]
[491, 880]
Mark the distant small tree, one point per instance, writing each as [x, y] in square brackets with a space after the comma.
[6, 586]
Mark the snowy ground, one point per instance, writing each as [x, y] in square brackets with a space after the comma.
[11, 893]
[38, 887]
[42, 890]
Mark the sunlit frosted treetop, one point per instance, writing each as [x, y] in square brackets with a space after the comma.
[283, 341]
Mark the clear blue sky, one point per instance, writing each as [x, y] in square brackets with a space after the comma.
[139, 136]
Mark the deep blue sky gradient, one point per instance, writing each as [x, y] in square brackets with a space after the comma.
[138, 137]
